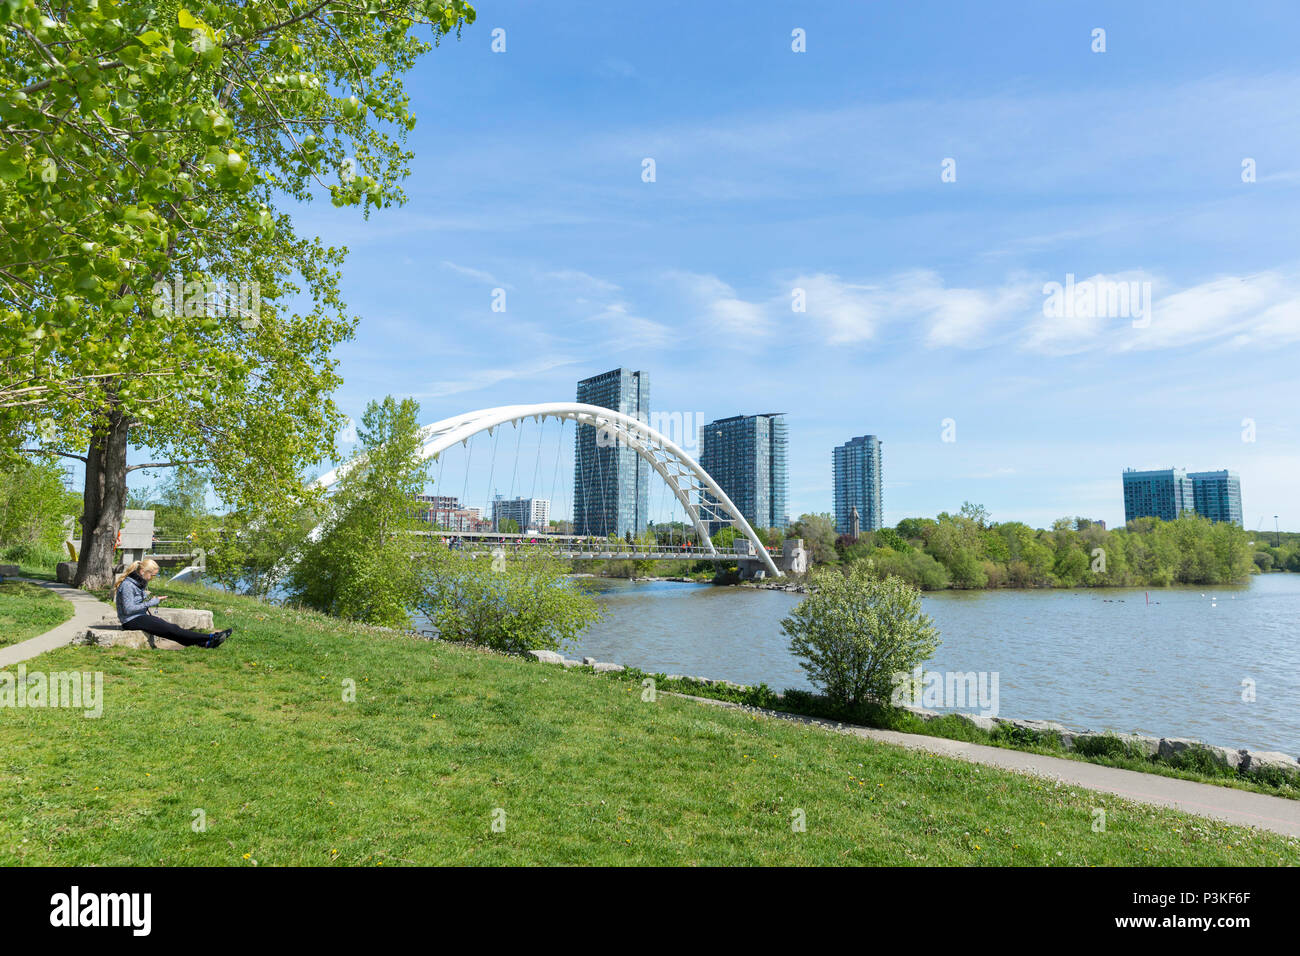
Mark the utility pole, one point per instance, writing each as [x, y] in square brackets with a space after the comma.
[1277, 535]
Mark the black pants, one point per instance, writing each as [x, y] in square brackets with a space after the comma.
[160, 628]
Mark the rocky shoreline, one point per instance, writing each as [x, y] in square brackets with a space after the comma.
[1171, 750]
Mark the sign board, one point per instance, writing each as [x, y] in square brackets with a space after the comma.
[137, 531]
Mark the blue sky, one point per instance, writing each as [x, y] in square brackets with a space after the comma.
[821, 171]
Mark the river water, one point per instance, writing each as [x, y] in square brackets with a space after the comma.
[1092, 659]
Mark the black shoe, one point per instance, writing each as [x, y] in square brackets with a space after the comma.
[219, 638]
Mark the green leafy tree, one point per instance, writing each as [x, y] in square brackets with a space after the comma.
[818, 533]
[145, 269]
[33, 505]
[245, 550]
[855, 631]
[360, 565]
[724, 537]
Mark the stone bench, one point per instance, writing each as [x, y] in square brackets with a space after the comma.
[109, 633]
[10, 571]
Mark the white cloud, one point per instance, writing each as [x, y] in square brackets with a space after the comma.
[630, 331]
[849, 312]
[1257, 310]
[844, 312]
[1262, 309]
[578, 277]
[478, 274]
[483, 378]
[721, 308]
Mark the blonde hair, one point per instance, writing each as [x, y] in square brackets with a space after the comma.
[148, 564]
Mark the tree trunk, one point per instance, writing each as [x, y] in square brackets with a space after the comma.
[104, 503]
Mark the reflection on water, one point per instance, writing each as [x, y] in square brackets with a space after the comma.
[1099, 658]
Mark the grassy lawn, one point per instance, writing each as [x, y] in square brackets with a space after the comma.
[258, 736]
[27, 610]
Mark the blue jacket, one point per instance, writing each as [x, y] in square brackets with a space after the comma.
[133, 599]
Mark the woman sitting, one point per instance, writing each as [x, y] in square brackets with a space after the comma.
[133, 603]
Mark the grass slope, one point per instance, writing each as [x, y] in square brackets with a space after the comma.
[257, 736]
[28, 610]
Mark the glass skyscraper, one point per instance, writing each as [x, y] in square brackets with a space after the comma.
[856, 468]
[1217, 495]
[746, 456]
[610, 481]
[1165, 494]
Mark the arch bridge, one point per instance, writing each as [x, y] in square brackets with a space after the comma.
[695, 490]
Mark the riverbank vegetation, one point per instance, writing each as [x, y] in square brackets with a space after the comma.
[1196, 763]
[967, 550]
[451, 754]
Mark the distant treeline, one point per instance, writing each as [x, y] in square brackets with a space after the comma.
[967, 550]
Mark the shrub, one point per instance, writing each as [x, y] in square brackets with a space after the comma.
[518, 604]
[855, 631]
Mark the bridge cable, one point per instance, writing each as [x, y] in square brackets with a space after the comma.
[469, 459]
[555, 472]
[491, 471]
[519, 435]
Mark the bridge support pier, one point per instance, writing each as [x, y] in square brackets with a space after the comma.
[792, 560]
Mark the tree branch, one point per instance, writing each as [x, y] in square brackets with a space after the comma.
[51, 451]
[169, 464]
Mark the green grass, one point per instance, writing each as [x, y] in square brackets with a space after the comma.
[1195, 765]
[27, 610]
[258, 736]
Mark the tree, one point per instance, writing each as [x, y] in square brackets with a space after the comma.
[244, 551]
[33, 504]
[145, 272]
[360, 565]
[724, 537]
[525, 603]
[508, 526]
[913, 529]
[854, 632]
[818, 533]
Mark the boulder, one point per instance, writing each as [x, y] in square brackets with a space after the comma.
[65, 571]
[607, 668]
[109, 633]
[983, 723]
[1171, 747]
[1142, 746]
[190, 618]
[569, 662]
[923, 714]
[1229, 758]
[548, 657]
[1034, 726]
[1254, 761]
[589, 661]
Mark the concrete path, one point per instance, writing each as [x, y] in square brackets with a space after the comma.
[1241, 807]
[86, 610]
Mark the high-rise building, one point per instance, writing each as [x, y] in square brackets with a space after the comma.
[1165, 494]
[746, 456]
[856, 470]
[527, 513]
[1217, 495]
[610, 480]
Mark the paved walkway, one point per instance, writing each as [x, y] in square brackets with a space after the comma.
[1241, 807]
[86, 610]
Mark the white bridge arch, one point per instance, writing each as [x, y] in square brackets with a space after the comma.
[683, 475]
